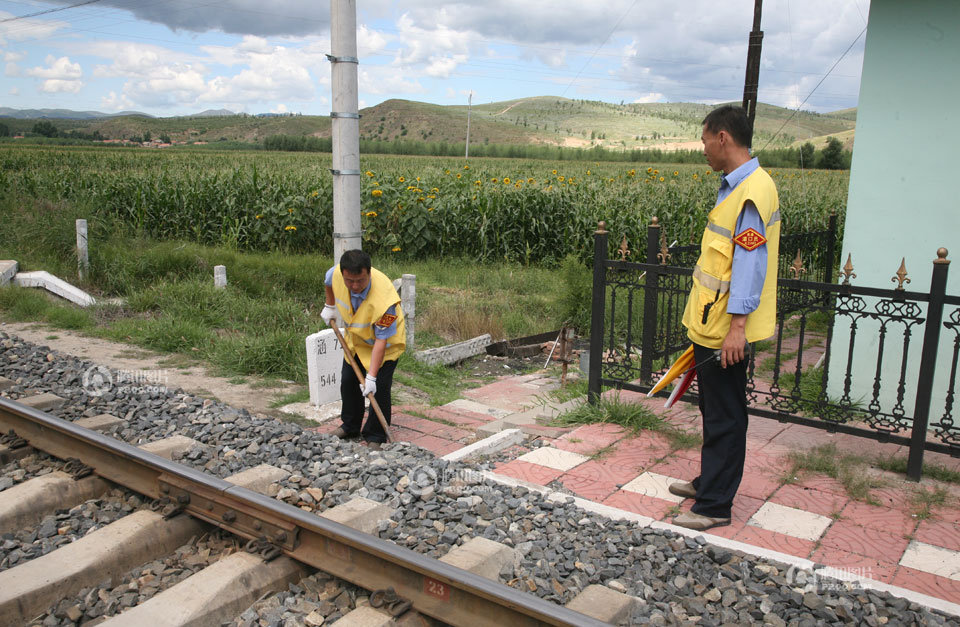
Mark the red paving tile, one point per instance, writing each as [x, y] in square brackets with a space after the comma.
[438, 446]
[743, 508]
[639, 504]
[809, 500]
[588, 488]
[883, 518]
[869, 542]
[729, 532]
[934, 585]
[854, 564]
[814, 481]
[678, 468]
[939, 533]
[584, 448]
[775, 541]
[601, 470]
[601, 435]
[757, 485]
[802, 437]
[897, 498]
[417, 424]
[762, 430]
[534, 473]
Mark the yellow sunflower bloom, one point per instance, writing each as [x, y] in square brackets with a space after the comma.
[290, 228]
[402, 180]
[377, 193]
[371, 214]
[395, 249]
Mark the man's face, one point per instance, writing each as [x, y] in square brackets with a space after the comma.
[356, 283]
[712, 149]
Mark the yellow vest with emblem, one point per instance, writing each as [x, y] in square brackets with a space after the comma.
[706, 316]
[359, 324]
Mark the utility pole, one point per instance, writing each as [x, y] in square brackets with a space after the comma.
[345, 125]
[466, 155]
[752, 79]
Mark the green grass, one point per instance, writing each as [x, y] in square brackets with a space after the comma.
[300, 396]
[633, 417]
[930, 471]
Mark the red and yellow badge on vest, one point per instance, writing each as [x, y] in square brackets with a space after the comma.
[750, 240]
[386, 320]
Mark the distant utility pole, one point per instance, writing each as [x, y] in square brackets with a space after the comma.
[466, 155]
[752, 80]
[345, 125]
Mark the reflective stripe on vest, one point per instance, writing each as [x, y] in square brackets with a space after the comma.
[710, 282]
[719, 230]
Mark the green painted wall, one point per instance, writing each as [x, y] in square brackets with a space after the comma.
[903, 199]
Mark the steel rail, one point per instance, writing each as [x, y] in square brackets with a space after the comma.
[440, 590]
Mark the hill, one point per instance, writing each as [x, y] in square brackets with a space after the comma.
[544, 120]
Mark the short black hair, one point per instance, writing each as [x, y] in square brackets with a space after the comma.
[733, 120]
[355, 261]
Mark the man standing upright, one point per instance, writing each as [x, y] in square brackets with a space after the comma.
[733, 302]
[365, 300]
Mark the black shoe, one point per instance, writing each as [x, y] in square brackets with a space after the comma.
[343, 435]
[374, 446]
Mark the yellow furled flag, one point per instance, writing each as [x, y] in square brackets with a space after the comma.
[683, 363]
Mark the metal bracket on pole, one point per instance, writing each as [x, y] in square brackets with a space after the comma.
[333, 59]
[345, 172]
[348, 235]
[338, 114]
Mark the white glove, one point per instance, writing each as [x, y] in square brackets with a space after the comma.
[329, 314]
[369, 385]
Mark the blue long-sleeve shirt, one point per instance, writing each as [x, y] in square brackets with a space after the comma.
[381, 333]
[749, 266]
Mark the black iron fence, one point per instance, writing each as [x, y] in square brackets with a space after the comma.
[841, 358]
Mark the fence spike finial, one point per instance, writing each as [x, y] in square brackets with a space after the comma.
[901, 276]
[797, 266]
[941, 256]
[847, 273]
[664, 253]
[601, 226]
[654, 221]
[624, 251]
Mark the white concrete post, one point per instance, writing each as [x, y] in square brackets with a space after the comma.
[345, 127]
[83, 258]
[408, 302]
[220, 277]
[324, 364]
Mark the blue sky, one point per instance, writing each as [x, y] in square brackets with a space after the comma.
[176, 57]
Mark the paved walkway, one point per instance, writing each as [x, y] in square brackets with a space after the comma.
[811, 517]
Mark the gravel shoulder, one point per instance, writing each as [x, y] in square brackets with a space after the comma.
[174, 371]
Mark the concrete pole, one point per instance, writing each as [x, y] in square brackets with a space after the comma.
[83, 257]
[345, 127]
[408, 302]
[466, 154]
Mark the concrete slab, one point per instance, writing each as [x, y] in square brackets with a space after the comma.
[8, 269]
[365, 616]
[479, 408]
[54, 285]
[453, 353]
[102, 423]
[43, 402]
[491, 444]
[655, 485]
[5, 384]
[481, 557]
[359, 513]
[29, 589]
[790, 521]
[932, 559]
[604, 604]
[25, 504]
[259, 477]
[169, 447]
[554, 458]
[218, 593]
[316, 413]
[491, 428]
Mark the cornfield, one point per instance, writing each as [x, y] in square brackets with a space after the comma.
[413, 207]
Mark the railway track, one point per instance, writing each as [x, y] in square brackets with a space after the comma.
[284, 543]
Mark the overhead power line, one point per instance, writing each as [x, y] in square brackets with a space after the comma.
[46, 11]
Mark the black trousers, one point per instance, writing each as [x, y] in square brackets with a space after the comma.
[723, 404]
[353, 401]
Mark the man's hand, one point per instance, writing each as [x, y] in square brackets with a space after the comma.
[329, 314]
[369, 385]
[734, 345]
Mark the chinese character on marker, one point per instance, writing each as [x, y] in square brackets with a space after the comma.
[322, 348]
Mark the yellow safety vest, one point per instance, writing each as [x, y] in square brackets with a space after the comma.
[360, 323]
[706, 316]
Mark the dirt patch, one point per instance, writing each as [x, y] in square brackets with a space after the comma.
[176, 371]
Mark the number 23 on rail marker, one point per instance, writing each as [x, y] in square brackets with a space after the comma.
[436, 589]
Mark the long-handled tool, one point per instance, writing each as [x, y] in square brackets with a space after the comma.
[356, 370]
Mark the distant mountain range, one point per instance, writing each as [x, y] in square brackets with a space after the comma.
[544, 120]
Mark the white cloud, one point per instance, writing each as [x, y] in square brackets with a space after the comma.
[113, 102]
[61, 68]
[12, 69]
[442, 67]
[280, 108]
[14, 91]
[27, 29]
[651, 97]
[13, 56]
[56, 85]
